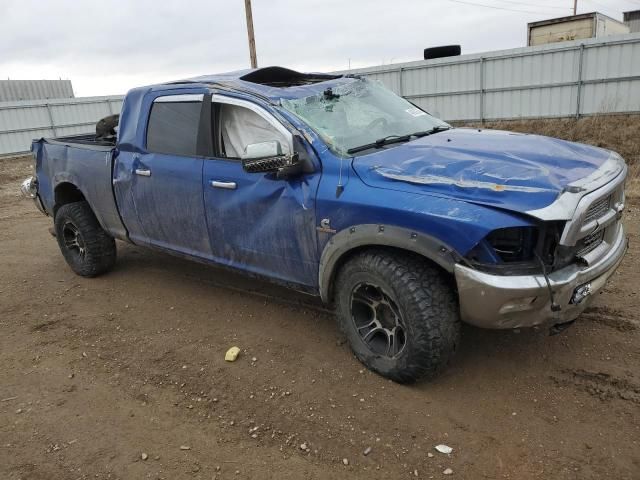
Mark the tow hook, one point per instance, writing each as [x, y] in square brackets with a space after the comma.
[560, 327]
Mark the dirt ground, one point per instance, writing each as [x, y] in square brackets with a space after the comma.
[96, 374]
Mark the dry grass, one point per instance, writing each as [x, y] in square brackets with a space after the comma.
[620, 133]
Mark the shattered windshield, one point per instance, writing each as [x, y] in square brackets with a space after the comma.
[359, 113]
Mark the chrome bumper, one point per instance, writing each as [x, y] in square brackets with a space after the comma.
[495, 301]
[29, 189]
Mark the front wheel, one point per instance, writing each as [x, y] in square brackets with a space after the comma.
[399, 312]
[86, 247]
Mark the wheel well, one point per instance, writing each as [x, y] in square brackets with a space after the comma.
[344, 258]
[66, 193]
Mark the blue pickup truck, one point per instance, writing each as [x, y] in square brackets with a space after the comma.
[335, 186]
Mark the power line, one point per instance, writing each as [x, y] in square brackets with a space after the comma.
[495, 7]
[605, 7]
[530, 5]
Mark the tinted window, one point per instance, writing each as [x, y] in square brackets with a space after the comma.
[173, 127]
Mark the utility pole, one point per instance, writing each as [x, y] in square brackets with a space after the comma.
[252, 40]
[575, 6]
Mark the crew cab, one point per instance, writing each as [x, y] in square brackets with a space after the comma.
[335, 186]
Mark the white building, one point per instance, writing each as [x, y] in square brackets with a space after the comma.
[574, 27]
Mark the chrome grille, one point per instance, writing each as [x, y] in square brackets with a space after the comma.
[589, 243]
[597, 209]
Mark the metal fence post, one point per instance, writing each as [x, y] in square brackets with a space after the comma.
[401, 89]
[482, 90]
[53, 125]
[579, 89]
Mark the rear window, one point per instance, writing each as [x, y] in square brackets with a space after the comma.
[173, 127]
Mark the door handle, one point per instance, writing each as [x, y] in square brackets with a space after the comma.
[225, 185]
[143, 172]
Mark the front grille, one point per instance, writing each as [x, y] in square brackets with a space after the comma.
[596, 221]
[589, 243]
[597, 209]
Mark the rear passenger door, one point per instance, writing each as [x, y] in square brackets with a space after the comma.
[166, 185]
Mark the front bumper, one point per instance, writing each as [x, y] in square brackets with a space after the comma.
[495, 301]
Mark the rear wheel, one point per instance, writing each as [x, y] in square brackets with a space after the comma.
[86, 247]
[399, 312]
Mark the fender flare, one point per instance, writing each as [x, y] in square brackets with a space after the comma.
[380, 235]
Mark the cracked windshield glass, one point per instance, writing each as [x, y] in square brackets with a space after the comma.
[362, 115]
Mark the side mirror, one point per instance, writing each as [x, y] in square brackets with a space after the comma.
[262, 150]
[268, 157]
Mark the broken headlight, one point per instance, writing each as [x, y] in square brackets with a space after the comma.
[513, 244]
[516, 250]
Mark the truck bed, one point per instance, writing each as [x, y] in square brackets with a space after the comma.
[82, 162]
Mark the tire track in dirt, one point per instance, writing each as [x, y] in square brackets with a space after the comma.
[610, 317]
[602, 385]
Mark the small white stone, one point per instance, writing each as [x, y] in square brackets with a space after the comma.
[144, 456]
[446, 449]
[448, 471]
[345, 461]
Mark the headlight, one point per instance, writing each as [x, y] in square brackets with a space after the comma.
[519, 250]
[505, 246]
[515, 244]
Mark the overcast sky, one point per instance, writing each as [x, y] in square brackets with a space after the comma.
[107, 47]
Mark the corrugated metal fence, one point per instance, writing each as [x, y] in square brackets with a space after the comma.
[14, 90]
[557, 80]
[20, 122]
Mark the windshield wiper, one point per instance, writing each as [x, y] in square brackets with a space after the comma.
[424, 133]
[379, 143]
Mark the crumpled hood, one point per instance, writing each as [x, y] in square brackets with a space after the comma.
[514, 171]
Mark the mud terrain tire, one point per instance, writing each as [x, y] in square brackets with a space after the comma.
[403, 300]
[86, 247]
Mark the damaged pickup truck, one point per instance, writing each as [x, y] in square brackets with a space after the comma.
[335, 186]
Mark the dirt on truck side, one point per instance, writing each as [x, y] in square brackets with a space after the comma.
[123, 376]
